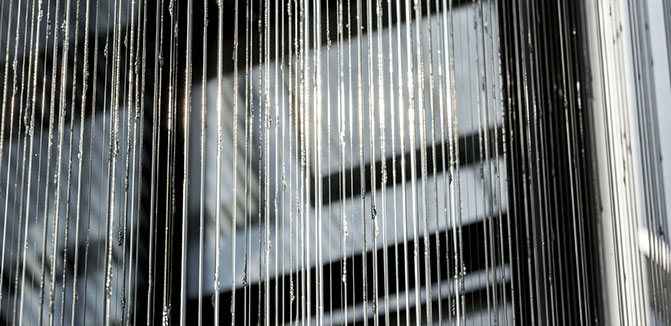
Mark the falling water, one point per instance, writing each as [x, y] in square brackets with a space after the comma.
[348, 162]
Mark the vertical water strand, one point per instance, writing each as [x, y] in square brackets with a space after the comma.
[627, 138]
[32, 78]
[607, 104]
[11, 127]
[350, 113]
[203, 139]
[340, 159]
[653, 118]
[2, 115]
[300, 150]
[362, 173]
[291, 154]
[624, 141]
[80, 154]
[666, 7]
[132, 178]
[16, 169]
[483, 105]
[443, 100]
[28, 132]
[131, 65]
[401, 123]
[582, 236]
[276, 214]
[342, 156]
[475, 189]
[236, 95]
[442, 112]
[185, 182]
[248, 41]
[251, 109]
[294, 164]
[648, 144]
[506, 120]
[309, 103]
[172, 182]
[217, 212]
[392, 113]
[295, 79]
[129, 91]
[261, 176]
[455, 197]
[499, 193]
[381, 113]
[118, 286]
[541, 177]
[318, 123]
[432, 106]
[283, 107]
[49, 148]
[23, 117]
[296, 99]
[15, 72]
[620, 142]
[261, 164]
[492, 164]
[69, 173]
[571, 181]
[371, 136]
[481, 168]
[14, 90]
[31, 133]
[471, 188]
[532, 117]
[520, 79]
[111, 169]
[660, 191]
[20, 151]
[2, 137]
[553, 180]
[90, 164]
[114, 150]
[552, 278]
[2, 132]
[417, 5]
[522, 108]
[581, 149]
[300, 142]
[168, 196]
[267, 125]
[328, 166]
[156, 119]
[495, 118]
[413, 154]
[105, 155]
[140, 110]
[312, 37]
[350, 106]
[62, 111]
[622, 129]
